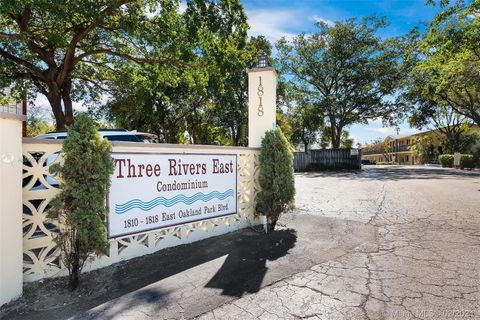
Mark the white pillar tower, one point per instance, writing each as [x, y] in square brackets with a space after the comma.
[11, 233]
[262, 101]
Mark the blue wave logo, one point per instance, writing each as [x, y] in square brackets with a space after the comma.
[149, 205]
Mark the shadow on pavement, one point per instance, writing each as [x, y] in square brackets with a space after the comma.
[396, 173]
[243, 271]
[189, 280]
[245, 267]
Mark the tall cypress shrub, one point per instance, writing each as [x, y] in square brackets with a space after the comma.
[80, 206]
[276, 176]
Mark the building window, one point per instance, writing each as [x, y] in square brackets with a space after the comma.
[406, 158]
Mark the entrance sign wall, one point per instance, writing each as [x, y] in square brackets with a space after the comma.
[24, 207]
[150, 191]
[40, 252]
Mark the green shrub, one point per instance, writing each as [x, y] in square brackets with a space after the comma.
[276, 176]
[80, 206]
[467, 161]
[446, 160]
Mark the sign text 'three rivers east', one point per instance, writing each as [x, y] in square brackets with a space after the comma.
[150, 191]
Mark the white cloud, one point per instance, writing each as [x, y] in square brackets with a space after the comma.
[79, 106]
[384, 131]
[355, 138]
[392, 130]
[104, 99]
[376, 121]
[408, 131]
[474, 15]
[41, 101]
[320, 19]
[272, 24]
[183, 7]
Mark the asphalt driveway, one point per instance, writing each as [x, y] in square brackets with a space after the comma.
[384, 243]
[425, 264]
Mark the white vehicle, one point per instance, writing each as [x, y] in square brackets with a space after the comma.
[109, 134]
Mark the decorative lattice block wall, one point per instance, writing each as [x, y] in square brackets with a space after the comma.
[41, 254]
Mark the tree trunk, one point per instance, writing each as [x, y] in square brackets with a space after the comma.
[235, 137]
[336, 137]
[336, 131]
[56, 104]
[272, 224]
[304, 140]
[338, 141]
[67, 102]
[332, 135]
[61, 104]
[74, 276]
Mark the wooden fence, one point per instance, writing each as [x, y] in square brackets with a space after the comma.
[327, 159]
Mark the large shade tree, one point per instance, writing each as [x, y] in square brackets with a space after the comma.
[445, 63]
[65, 50]
[453, 130]
[157, 98]
[347, 69]
[229, 85]
[228, 52]
[204, 99]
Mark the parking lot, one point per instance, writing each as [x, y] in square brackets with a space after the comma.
[387, 242]
[424, 264]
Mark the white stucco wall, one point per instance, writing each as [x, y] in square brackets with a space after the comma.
[11, 236]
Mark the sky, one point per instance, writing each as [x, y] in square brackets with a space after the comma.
[275, 19]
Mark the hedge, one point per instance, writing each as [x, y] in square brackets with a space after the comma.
[446, 160]
[466, 160]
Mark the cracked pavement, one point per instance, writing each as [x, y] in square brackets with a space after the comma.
[384, 243]
[425, 263]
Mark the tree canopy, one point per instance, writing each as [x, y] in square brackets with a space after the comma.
[203, 100]
[304, 118]
[67, 51]
[178, 69]
[346, 69]
[454, 130]
[445, 68]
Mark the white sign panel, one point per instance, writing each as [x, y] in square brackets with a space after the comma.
[456, 159]
[150, 191]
